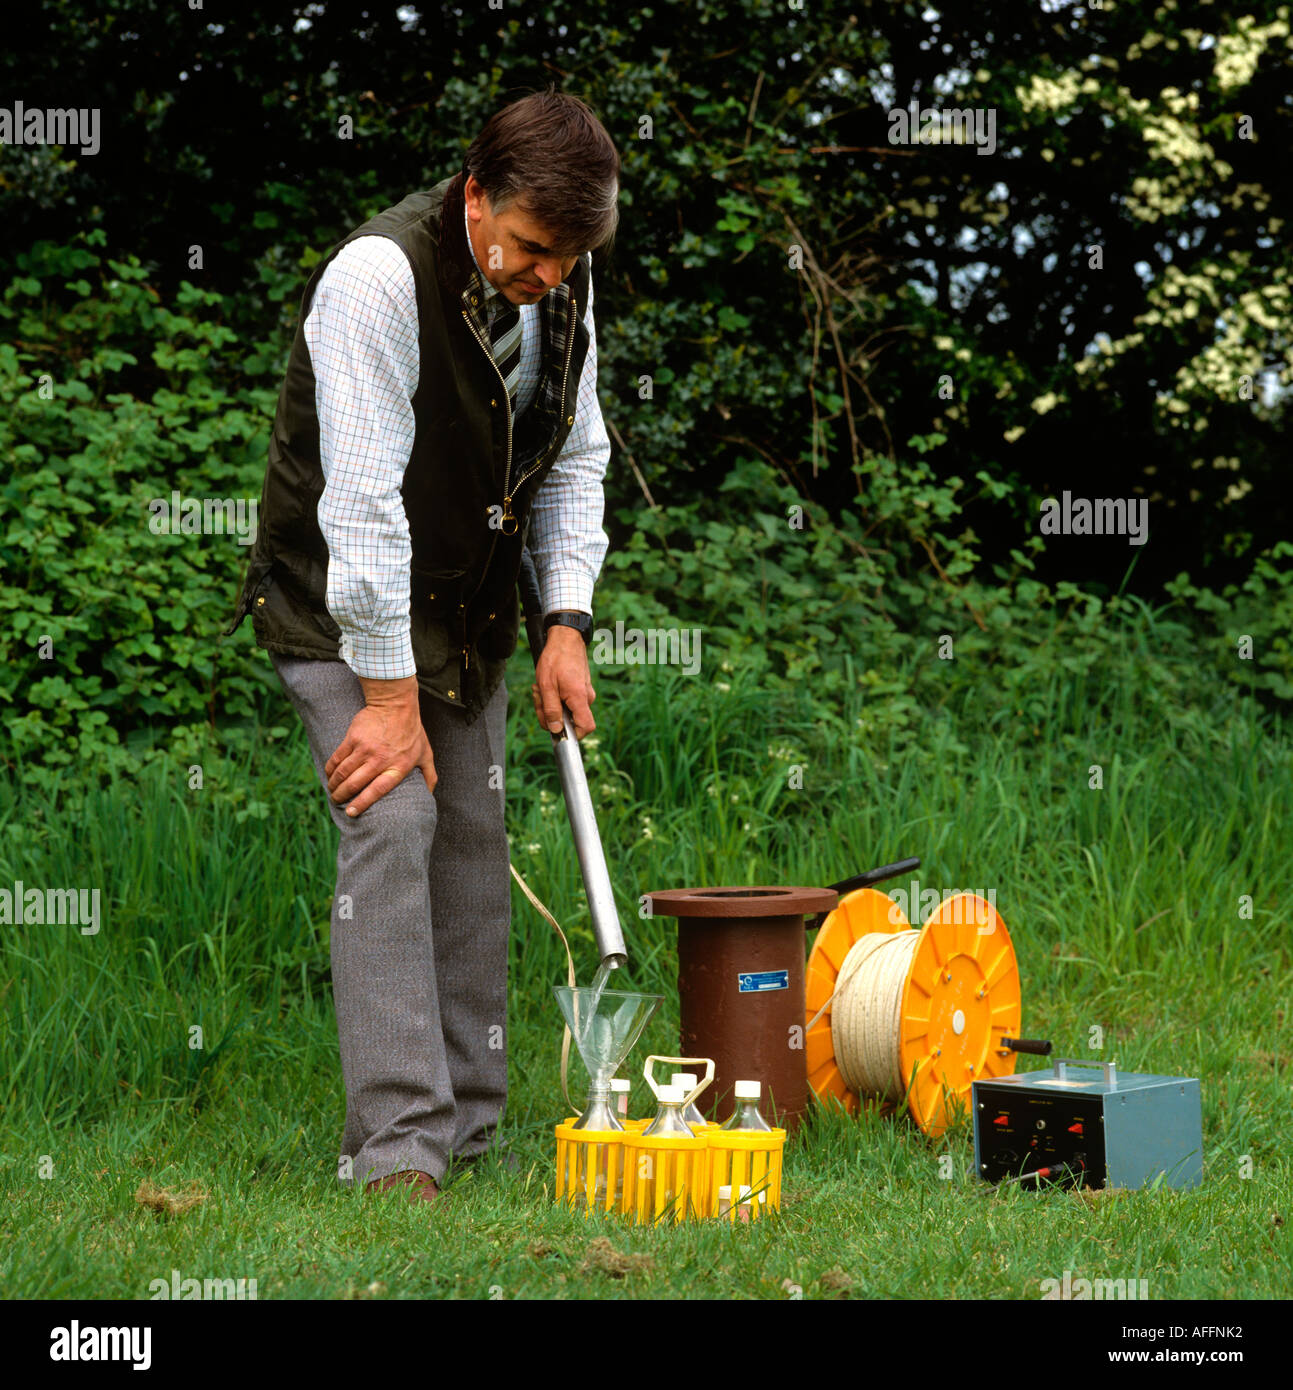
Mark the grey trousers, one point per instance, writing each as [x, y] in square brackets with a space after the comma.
[420, 923]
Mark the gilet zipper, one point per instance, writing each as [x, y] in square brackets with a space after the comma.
[507, 471]
[565, 373]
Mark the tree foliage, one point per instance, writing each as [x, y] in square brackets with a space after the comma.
[840, 373]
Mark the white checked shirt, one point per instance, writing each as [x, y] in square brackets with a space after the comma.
[362, 334]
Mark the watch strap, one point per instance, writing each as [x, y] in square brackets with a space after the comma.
[581, 622]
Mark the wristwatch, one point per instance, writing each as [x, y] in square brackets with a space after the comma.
[581, 622]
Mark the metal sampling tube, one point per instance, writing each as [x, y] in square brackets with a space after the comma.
[574, 788]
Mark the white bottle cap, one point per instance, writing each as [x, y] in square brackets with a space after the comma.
[671, 1095]
[618, 1084]
[747, 1090]
[686, 1079]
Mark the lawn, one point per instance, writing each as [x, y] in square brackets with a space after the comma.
[1152, 909]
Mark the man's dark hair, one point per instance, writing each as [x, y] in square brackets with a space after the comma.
[552, 157]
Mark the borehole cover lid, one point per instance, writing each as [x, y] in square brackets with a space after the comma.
[768, 900]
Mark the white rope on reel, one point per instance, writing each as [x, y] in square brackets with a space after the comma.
[866, 1013]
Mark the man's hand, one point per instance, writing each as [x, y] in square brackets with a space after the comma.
[384, 743]
[562, 676]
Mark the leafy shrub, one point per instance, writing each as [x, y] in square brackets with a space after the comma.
[1250, 622]
[109, 649]
[110, 399]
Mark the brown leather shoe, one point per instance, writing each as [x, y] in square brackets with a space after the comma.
[423, 1185]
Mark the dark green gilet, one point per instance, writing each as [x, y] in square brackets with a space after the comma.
[471, 476]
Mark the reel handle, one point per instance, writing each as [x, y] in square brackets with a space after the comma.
[655, 1090]
[865, 880]
[1038, 1047]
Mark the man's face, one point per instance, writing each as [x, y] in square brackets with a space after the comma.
[512, 250]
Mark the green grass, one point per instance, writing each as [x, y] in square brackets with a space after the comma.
[1124, 905]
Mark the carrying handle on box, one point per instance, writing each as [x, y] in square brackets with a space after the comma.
[655, 1090]
[1110, 1069]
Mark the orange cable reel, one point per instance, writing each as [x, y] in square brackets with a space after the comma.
[901, 1014]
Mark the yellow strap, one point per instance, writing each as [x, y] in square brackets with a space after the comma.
[570, 979]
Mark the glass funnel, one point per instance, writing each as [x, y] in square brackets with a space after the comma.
[604, 1029]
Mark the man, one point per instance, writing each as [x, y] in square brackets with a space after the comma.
[439, 408]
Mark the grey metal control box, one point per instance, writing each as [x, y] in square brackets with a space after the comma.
[1111, 1129]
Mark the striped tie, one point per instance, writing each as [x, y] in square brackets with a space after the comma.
[505, 340]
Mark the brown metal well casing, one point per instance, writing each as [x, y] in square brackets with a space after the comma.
[741, 989]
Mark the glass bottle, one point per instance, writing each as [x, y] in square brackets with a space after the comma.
[746, 1115]
[668, 1123]
[668, 1118]
[598, 1115]
[686, 1082]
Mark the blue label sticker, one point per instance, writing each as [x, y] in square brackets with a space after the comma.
[760, 980]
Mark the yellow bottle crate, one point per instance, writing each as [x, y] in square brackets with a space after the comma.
[744, 1159]
[666, 1177]
[590, 1168]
